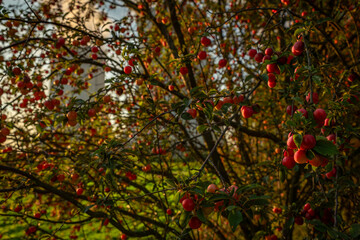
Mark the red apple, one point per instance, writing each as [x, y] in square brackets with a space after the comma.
[247, 111]
[320, 116]
[188, 204]
[308, 142]
[252, 53]
[289, 162]
[195, 223]
[300, 157]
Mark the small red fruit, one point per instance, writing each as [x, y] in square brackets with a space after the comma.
[202, 55]
[5, 131]
[307, 206]
[16, 71]
[277, 210]
[188, 204]
[273, 68]
[290, 110]
[320, 116]
[331, 137]
[91, 112]
[17, 208]
[123, 236]
[271, 83]
[289, 162]
[298, 48]
[171, 87]
[79, 191]
[212, 188]
[316, 161]
[315, 98]
[247, 111]
[205, 41]
[72, 115]
[184, 70]
[331, 174]
[308, 142]
[222, 63]
[169, 211]
[300, 157]
[303, 112]
[259, 57]
[352, 77]
[127, 69]
[269, 51]
[252, 53]
[195, 223]
[266, 57]
[192, 112]
[299, 220]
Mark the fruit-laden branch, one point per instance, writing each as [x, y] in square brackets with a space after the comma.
[110, 40]
[175, 23]
[16, 188]
[65, 221]
[260, 134]
[70, 198]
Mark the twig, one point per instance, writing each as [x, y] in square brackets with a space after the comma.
[309, 66]
[142, 129]
[321, 186]
[336, 190]
[209, 156]
[37, 16]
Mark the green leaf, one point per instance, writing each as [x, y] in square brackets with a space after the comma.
[201, 128]
[332, 233]
[248, 78]
[186, 116]
[38, 128]
[208, 113]
[198, 190]
[325, 148]
[297, 139]
[323, 20]
[298, 31]
[235, 218]
[216, 128]
[317, 79]
[185, 233]
[194, 90]
[186, 101]
[310, 154]
[281, 67]
[225, 107]
[289, 223]
[218, 197]
[264, 77]
[290, 123]
[230, 208]
[318, 225]
[155, 83]
[355, 230]
[249, 187]
[212, 91]
[201, 216]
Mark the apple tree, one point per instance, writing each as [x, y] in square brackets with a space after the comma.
[191, 119]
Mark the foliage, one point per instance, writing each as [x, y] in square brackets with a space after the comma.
[249, 110]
